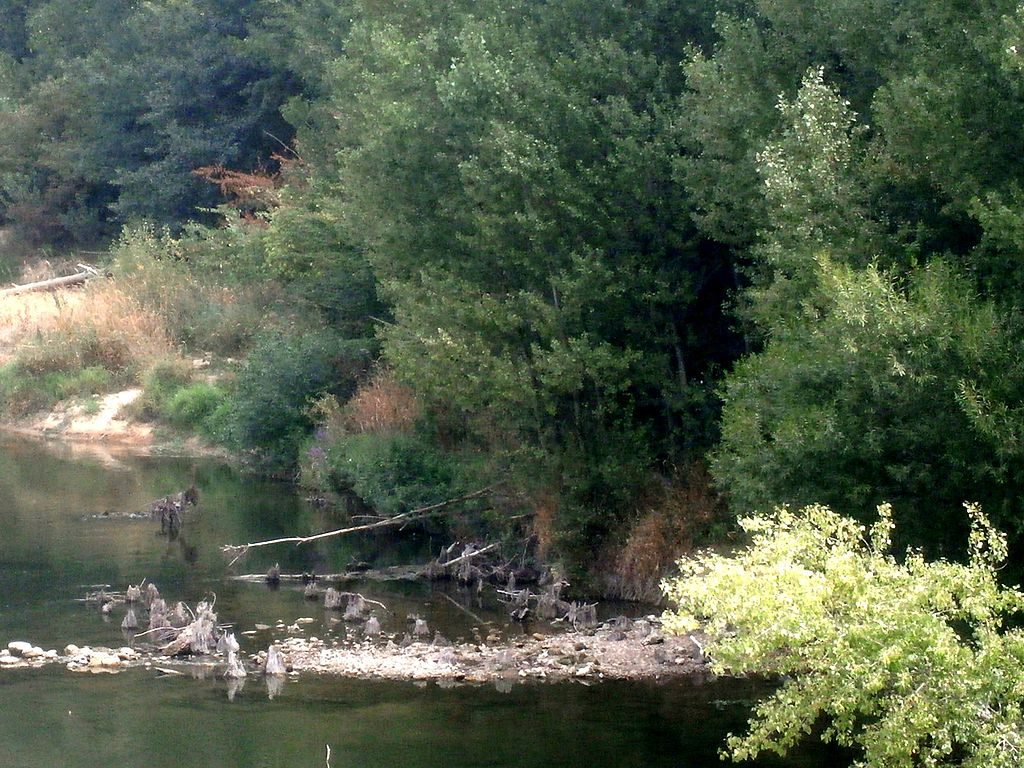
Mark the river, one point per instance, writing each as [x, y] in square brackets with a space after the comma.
[55, 544]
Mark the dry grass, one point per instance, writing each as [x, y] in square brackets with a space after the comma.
[545, 510]
[99, 324]
[672, 517]
[28, 314]
[381, 406]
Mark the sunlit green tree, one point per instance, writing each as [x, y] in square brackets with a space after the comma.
[912, 662]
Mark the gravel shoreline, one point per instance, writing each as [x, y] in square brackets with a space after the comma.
[619, 649]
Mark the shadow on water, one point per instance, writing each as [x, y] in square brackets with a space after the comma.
[52, 547]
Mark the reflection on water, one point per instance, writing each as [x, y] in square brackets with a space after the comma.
[51, 553]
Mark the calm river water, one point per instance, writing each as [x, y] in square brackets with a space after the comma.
[52, 550]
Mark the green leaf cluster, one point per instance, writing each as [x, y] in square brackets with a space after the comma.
[913, 662]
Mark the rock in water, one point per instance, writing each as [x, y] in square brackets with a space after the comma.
[312, 591]
[440, 641]
[274, 664]
[420, 629]
[133, 594]
[203, 629]
[227, 644]
[178, 615]
[235, 670]
[152, 593]
[19, 647]
[274, 575]
[372, 627]
[130, 622]
[356, 609]
[158, 620]
[332, 599]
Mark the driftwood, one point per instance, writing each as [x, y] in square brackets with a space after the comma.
[169, 509]
[55, 282]
[413, 515]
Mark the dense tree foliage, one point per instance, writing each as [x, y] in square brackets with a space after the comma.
[107, 108]
[880, 259]
[595, 241]
[580, 247]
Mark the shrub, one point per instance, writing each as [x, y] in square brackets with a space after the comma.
[160, 382]
[23, 392]
[674, 514]
[382, 406]
[282, 377]
[913, 662]
[199, 310]
[194, 406]
[94, 380]
[393, 473]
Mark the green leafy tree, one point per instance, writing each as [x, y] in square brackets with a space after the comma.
[869, 398]
[507, 171]
[913, 662]
[118, 103]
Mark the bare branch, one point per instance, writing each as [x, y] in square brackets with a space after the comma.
[402, 519]
[467, 556]
[463, 608]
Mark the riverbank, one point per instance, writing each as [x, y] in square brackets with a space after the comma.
[621, 649]
[106, 427]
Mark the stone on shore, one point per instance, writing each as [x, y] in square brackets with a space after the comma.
[19, 647]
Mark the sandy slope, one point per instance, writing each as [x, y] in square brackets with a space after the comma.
[76, 422]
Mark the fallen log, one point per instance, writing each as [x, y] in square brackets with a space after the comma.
[52, 283]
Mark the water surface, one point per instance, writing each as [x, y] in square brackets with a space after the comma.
[53, 548]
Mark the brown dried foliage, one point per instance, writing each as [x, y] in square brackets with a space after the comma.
[673, 515]
[248, 190]
[382, 406]
[545, 510]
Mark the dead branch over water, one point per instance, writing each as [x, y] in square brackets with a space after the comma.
[392, 573]
[413, 515]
